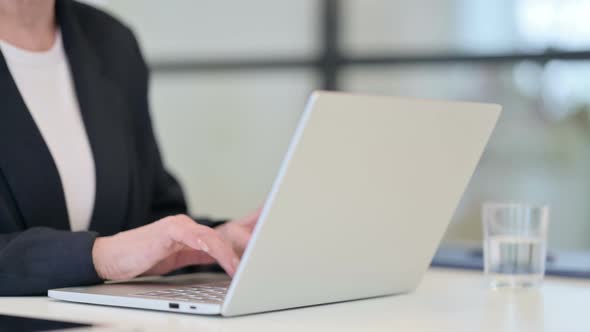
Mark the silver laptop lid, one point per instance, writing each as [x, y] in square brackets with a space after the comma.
[362, 200]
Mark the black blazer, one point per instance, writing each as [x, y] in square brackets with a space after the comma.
[37, 249]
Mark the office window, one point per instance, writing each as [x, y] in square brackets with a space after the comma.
[473, 26]
[426, 26]
[539, 151]
[229, 80]
[225, 134]
[532, 56]
[221, 29]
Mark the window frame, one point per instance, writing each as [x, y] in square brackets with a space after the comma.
[329, 64]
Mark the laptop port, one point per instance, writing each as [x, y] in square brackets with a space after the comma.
[173, 305]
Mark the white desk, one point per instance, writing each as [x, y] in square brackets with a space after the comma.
[447, 300]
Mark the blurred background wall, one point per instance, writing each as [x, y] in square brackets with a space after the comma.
[230, 79]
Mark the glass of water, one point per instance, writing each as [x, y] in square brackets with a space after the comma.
[515, 244]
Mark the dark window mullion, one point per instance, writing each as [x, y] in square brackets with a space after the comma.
[330, 56]
[389, 59]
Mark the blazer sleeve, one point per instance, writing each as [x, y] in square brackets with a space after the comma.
[28, 265]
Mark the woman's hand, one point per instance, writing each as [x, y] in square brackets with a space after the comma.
[239, 231]
[164, 246]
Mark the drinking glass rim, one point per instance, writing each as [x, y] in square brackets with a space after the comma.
[507, 205]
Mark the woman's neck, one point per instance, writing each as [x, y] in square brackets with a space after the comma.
[28, 24]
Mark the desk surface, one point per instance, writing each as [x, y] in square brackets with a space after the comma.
[447, 300]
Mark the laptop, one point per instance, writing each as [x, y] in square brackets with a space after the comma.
[361, 201]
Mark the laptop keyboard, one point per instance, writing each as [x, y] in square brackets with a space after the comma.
[205, 293]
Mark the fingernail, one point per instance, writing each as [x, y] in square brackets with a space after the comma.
[203, 246]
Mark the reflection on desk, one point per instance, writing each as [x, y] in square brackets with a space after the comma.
[447, 300]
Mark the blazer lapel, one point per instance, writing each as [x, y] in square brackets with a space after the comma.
[104, 115]
[26, 161]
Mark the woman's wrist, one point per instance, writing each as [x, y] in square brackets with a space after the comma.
[98, 257]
